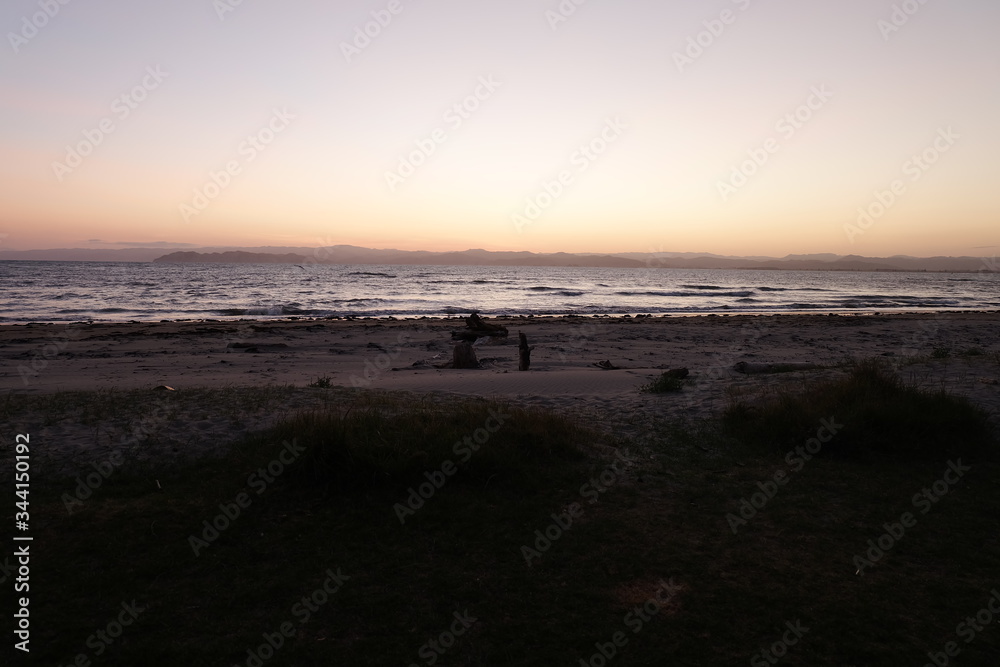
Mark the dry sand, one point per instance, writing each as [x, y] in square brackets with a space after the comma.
[41, 360]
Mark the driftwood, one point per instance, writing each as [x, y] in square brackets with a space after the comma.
[477, 327]
[754, 368]
[523, 353]
[679, 373]
[464, 356]
[474, 321]
[257, 347]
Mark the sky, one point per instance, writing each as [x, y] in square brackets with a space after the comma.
[741, 127]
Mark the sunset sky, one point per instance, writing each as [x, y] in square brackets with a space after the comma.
[503, 125]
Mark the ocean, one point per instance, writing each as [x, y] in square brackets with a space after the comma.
[32, 291]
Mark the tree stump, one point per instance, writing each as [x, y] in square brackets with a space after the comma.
[523, 353]
[465, 356]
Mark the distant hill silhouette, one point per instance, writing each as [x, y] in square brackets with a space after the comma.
[356, 255]
[232, 257]
[349, 254]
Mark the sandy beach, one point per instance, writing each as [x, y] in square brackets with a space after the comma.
[954, 350]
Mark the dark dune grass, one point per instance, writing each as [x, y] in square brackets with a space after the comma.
[666, 519]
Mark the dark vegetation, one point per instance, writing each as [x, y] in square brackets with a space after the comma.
[336, 506]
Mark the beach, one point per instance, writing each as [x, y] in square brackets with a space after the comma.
[173, 458]
[271, 368]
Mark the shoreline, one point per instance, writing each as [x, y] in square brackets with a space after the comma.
[864, 312]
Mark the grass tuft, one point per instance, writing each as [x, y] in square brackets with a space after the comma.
[371, 448]
[664, 384]
[881, 416]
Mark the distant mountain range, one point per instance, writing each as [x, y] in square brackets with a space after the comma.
[232, 257]
[347, 254]
[356, 255]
